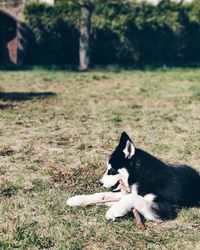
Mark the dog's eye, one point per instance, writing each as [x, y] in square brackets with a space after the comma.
[112, 171]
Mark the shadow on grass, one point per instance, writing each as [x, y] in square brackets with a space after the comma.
[146, 67]
[24, 96]
[105, 67]
[38, 67]
[5, 106]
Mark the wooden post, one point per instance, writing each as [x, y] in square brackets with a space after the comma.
[84, 40]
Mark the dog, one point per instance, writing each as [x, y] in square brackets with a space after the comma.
[157, 190]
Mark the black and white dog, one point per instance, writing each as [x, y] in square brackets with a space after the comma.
[157, 189]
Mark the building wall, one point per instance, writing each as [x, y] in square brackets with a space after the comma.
[9, 39]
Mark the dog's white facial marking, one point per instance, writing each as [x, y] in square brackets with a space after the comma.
[124, 177]
[129, 150]
[108, 166]
[110, 180]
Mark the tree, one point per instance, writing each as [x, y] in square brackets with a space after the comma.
[84, 40]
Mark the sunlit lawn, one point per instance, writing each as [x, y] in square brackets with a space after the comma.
[56, 129]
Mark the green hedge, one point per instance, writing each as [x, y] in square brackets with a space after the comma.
[53, 36]
[120, 33]
[144, 33]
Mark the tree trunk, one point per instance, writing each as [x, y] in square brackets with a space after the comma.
[84, 40]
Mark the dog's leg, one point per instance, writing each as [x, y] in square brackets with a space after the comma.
[144, 206]
[106, 198]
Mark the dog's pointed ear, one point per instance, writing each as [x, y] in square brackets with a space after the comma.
[129, 150]
[123, 139]
[127, 145]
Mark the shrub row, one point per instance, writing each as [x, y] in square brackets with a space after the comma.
[120, 33]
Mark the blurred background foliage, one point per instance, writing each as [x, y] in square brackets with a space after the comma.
[122, 32]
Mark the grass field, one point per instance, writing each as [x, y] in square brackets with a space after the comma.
[56, 129]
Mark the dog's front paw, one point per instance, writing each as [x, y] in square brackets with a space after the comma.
[110, 215]
[77, 200]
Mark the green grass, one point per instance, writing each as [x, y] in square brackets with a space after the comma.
[55, 146]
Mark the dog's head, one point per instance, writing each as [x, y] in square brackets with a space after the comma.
[118, 164]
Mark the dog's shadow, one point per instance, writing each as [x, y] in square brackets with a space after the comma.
[24, 96]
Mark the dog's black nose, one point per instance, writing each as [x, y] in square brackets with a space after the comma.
[100, 183]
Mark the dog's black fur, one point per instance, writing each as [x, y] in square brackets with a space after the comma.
[174, 186]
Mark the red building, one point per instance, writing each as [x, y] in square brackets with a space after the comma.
[10, 38]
